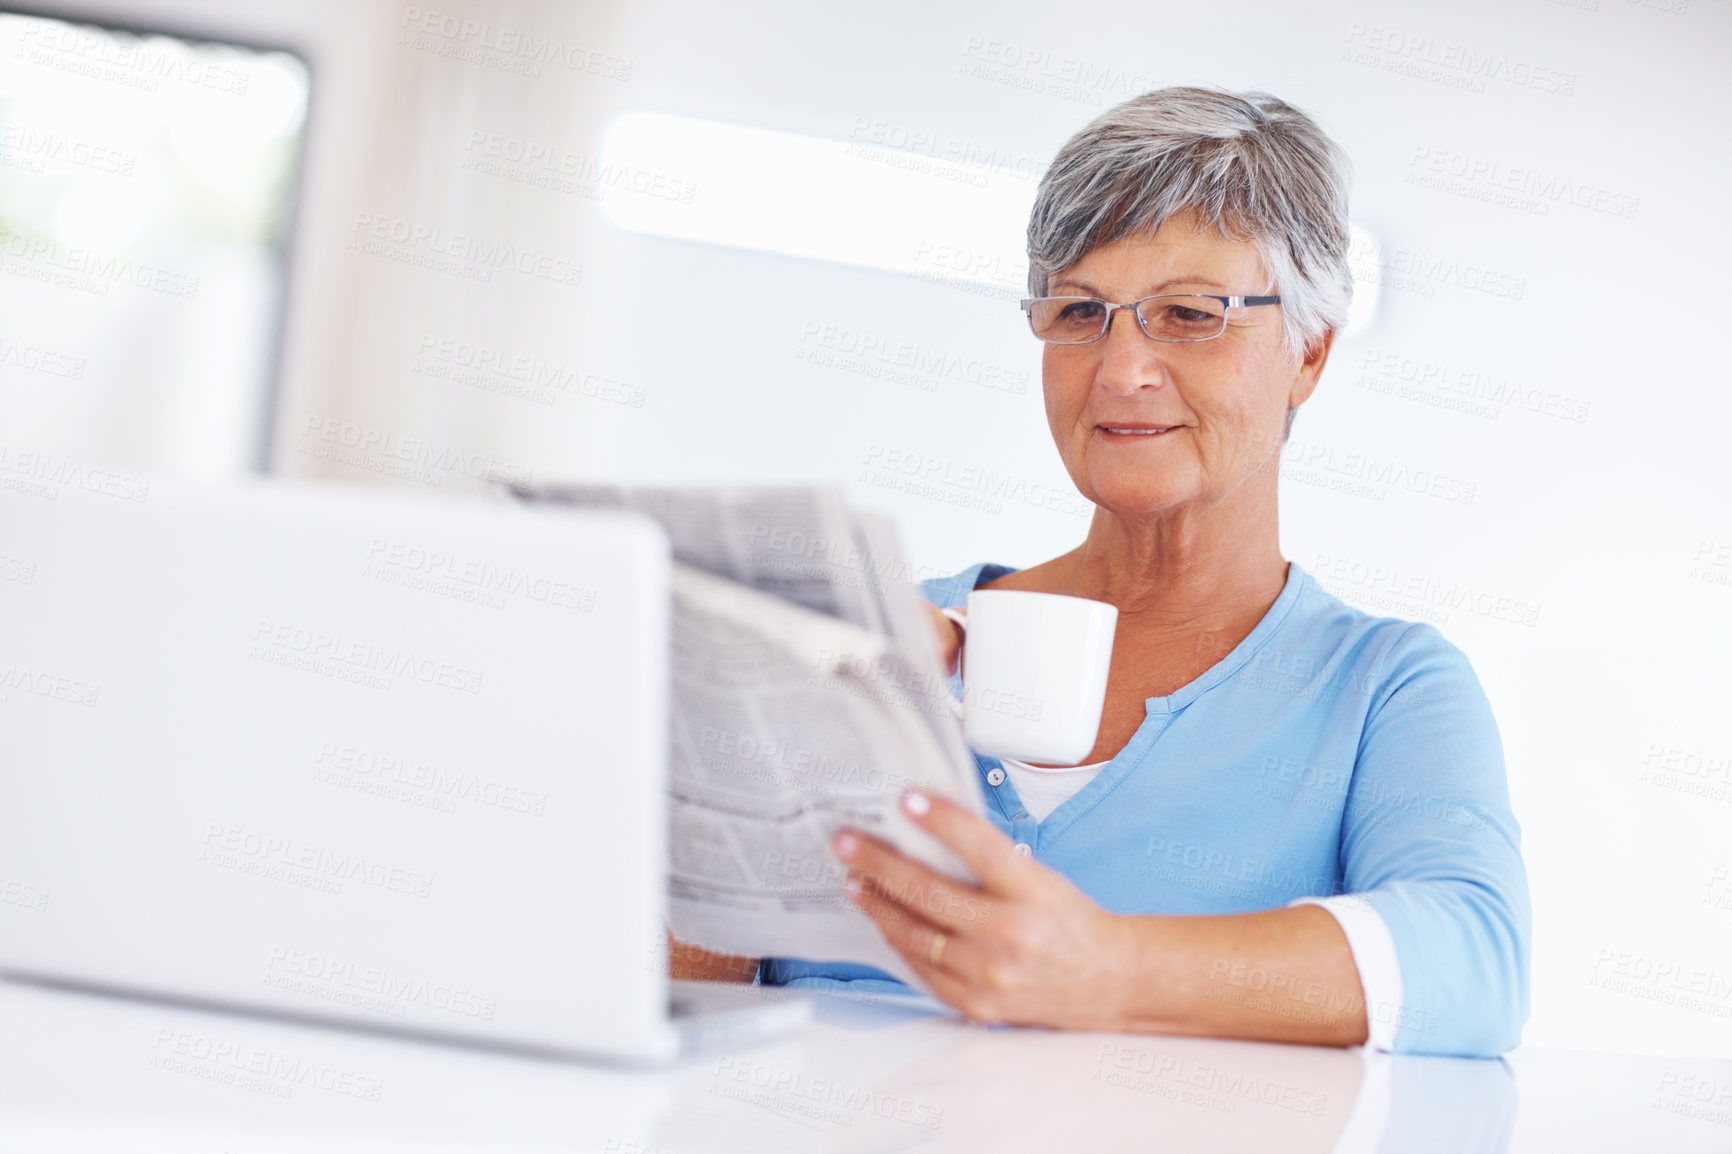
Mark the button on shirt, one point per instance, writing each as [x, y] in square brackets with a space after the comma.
[1331, 755]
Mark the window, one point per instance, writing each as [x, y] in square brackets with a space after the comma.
[146, 194]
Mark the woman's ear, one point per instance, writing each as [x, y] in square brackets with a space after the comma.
[1310, 369]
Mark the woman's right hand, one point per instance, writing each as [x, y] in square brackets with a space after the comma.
[948, 635]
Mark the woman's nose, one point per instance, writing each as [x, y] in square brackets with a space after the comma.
[1130, 360]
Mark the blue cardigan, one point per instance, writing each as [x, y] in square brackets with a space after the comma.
[1329, 752]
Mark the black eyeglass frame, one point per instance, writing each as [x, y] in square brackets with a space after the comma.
[1028, 304]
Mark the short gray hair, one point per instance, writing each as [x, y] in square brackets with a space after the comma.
[1253, 167]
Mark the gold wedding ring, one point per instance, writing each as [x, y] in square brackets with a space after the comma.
[936, 953]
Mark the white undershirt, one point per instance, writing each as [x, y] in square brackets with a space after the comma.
[1044, 790]
[1368, 937]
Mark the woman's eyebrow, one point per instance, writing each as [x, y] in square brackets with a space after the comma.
[1086, 287]
[1091, 290]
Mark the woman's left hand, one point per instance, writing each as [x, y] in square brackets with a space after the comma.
[1023, 946]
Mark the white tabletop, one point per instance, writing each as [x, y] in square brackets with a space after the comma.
[81, 1072]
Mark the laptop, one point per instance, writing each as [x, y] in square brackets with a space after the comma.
[353, 754]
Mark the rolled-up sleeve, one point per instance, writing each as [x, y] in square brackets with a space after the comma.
[1374, 956]
[1428, 838]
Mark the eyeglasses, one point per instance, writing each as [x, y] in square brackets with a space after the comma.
[1168, 317]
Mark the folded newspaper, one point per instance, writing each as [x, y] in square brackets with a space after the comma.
[806, 697]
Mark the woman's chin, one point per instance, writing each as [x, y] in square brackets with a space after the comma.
[1138, 498]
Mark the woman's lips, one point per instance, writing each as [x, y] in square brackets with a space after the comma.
[1134, 432]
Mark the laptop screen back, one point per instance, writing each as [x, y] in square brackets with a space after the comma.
[339, 752]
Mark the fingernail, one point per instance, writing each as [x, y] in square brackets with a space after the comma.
[851, 883]
[845, 845]
[915, 803]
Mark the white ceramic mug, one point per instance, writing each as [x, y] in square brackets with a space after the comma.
[1034, 674]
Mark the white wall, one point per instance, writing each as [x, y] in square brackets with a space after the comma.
[691, 361]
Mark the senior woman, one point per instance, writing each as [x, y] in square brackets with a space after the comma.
[1294, 824]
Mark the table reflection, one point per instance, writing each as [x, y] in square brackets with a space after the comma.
[911, 1077]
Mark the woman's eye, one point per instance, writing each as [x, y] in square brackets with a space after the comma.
[1081, 311]
[1185, 316]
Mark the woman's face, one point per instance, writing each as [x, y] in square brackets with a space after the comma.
[1223, 402]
